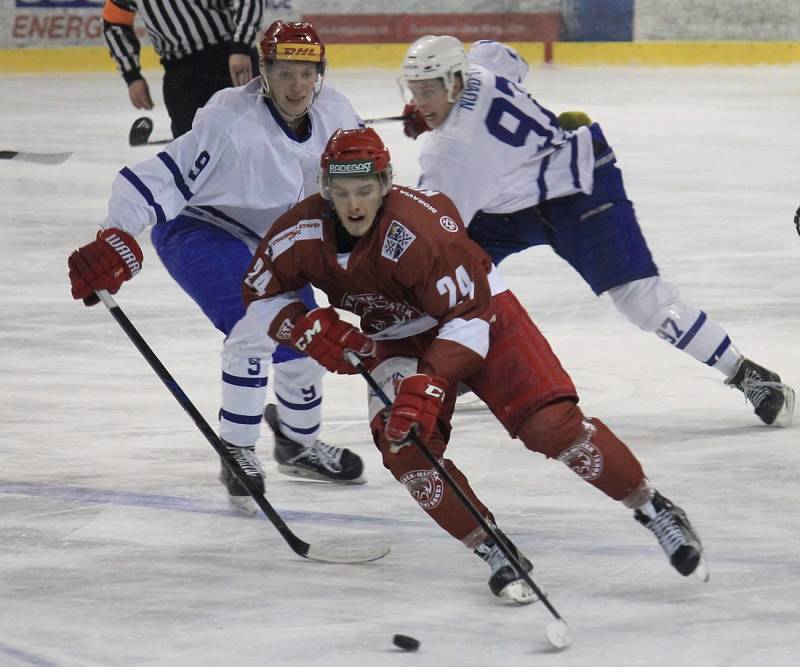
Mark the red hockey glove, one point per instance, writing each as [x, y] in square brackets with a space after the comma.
[416, 405]
[105, 263]
[323, 336]
[415, 123]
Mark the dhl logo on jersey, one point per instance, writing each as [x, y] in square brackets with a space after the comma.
[308, 52]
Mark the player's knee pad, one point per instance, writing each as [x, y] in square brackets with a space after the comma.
[648, 302]
[299, 372]
[553, 428]
[248, 337]
[586, 446]
[561, 431]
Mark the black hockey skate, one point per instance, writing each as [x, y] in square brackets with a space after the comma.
[773, 401]
[669, 524]
[238, 496]
[505, 581]
[319, 461]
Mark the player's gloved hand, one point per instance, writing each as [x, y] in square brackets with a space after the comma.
[414, 123]
[105, 263]
[416, 405]
[797, 219]
[324, 337]
[572, 120]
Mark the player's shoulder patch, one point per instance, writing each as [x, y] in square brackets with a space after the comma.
[397, 240]
[448, 224]
[304, 230]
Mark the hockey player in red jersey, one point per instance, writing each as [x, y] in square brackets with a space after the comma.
[434, 312]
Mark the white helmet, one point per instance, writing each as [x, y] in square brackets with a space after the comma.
[436, 57]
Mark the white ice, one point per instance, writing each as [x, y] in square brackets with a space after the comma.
[117, 544]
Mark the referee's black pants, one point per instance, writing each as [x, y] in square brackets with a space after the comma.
[191, 81]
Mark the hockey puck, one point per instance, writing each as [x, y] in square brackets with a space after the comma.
[405, 642]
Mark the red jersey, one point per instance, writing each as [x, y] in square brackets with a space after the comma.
[414, 276]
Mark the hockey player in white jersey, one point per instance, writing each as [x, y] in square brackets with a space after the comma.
[210, 196]
[554, 181]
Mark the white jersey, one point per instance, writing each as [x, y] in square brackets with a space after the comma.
[500, 151]
[239, 168]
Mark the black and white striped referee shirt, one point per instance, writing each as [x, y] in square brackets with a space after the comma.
[179, 28]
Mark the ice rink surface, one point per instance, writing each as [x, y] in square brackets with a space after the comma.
[116, 543]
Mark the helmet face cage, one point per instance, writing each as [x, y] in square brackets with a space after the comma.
[353, 154]
[436, 57]
[291, 42]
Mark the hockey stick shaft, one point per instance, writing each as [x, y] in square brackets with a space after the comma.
[141, 129]
[297, 545]
[501, 543]
[40, 158]
[386, 119]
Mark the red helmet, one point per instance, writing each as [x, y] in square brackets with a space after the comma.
[358, 152]
[292, 41]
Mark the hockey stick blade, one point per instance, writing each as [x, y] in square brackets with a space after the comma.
[557, 631]
[331, 554]
[340, 552]
[39, 158]
[140, 132]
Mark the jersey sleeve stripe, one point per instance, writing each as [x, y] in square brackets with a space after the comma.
[573, 162]
[143, 190]
[540, 181]
[176, 175]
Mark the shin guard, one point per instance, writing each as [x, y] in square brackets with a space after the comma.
[433, 494]
[586, 446]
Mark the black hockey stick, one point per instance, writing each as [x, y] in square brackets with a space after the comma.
[385, 119]
[327, 554]
[40, 158]
[142, 128]
[140, 133]
[558, 632]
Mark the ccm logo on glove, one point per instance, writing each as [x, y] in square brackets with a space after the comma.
[324, 337]
[306, 337]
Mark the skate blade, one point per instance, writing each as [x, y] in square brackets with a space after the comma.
[786, 414]
[701, 571]
[313, 476]
[244, 505]
[519, 592]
